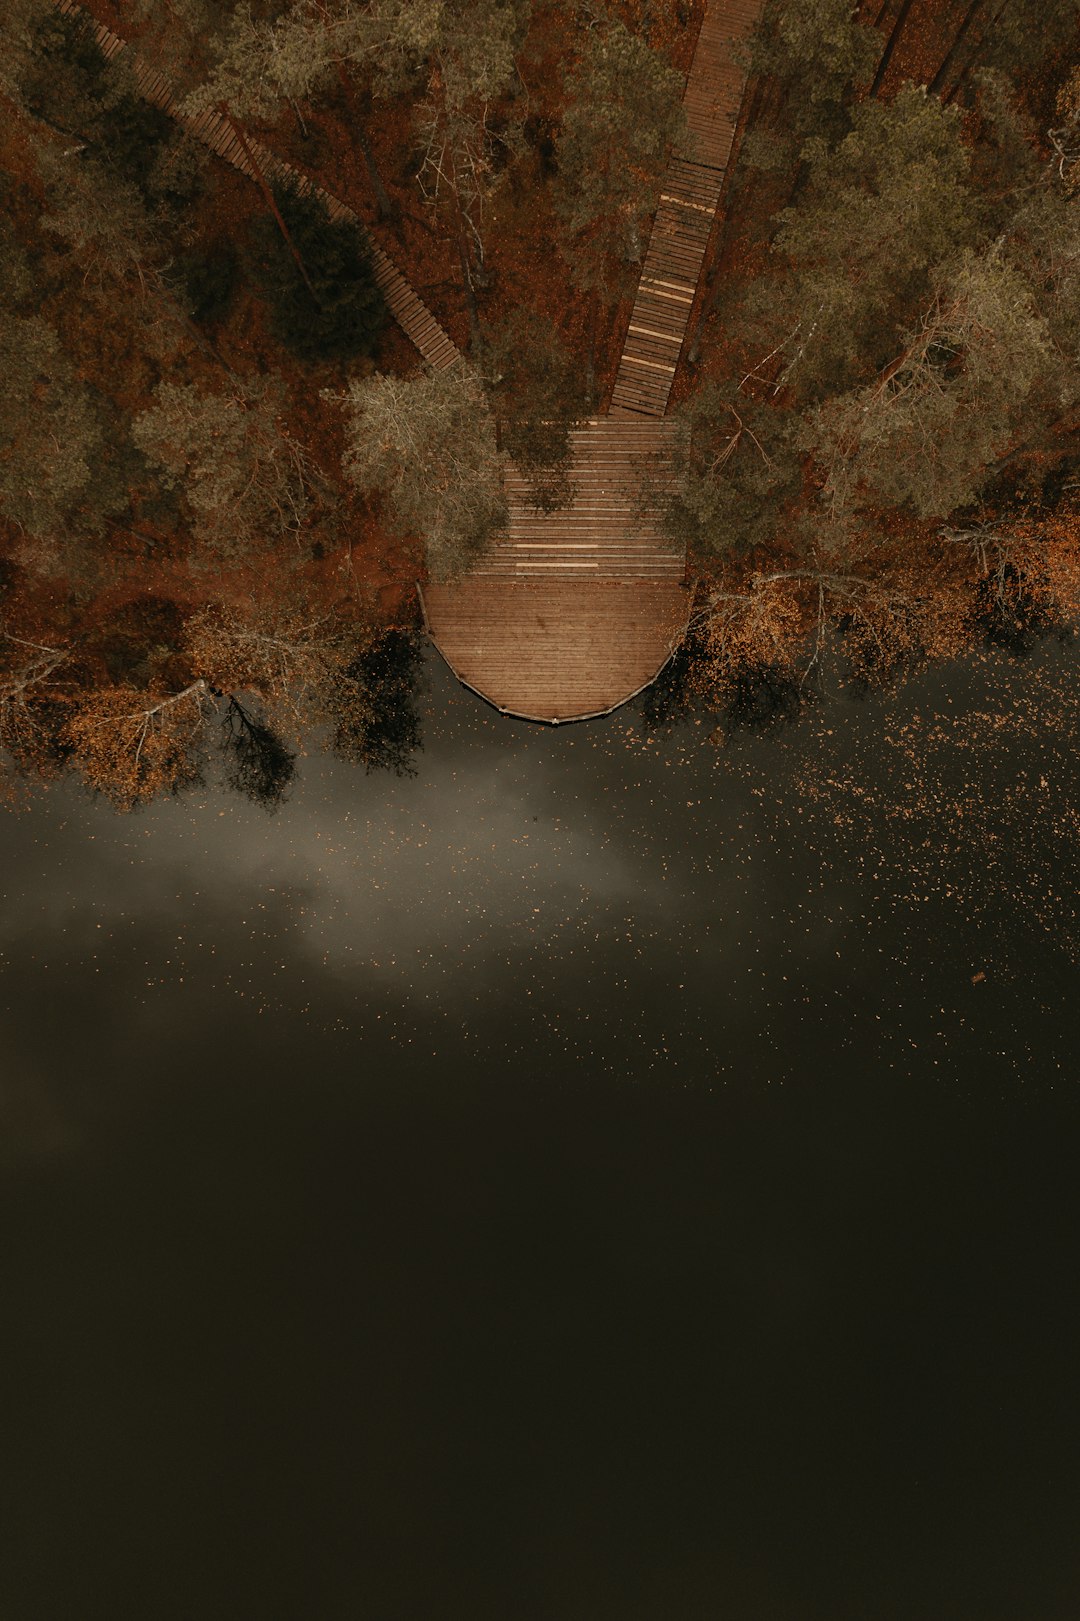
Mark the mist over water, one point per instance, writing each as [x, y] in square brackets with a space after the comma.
[602, 1176]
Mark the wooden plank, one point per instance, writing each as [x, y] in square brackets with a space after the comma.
[555, 650]
[686, 212]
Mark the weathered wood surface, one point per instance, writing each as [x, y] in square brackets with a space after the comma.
[684, 219]
[556, 650]
[214, 130]
[575, 612]
[572, 612]
[620, 471]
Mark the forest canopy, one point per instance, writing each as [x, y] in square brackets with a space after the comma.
[222, 467]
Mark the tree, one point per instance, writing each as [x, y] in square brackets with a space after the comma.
[812, 53]
[739, 472]
[1027, 572]
[207, 276]
[992, 358]
[427, 445]
[262, 64]
[59, 74]
[132, 745]
[1005, 158]
[291, 658]
[928, 433]
[473, 67]
[460, 52]
[29, 698]
[770, 630]
[242, 476]
[180, 36]
[373, 711]
[123, 245]
[878, 213]
[891, 43]
[17, 271]
[51, 432]
[623, 116]
[50, 64]
[1015, 36]
[941, 79]
[101, 216]
[538, 396]
[1041, 238]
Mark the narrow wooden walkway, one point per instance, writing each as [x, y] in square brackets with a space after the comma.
[684, 219]
[575, 612]
[216, 132]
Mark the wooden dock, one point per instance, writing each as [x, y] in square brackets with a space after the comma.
[556, 649]
[573, 613]
[218, 133]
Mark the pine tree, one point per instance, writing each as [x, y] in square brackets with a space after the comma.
[1017, 37]
[889, 203]
[891, 42]
[101, 216]
[262, 64]
[426, 444]
[296, 659]
[461, 53]
[740, 472]
[813, 54]
[473, 69]
[928, 434]
[51, 431]
[242, 477]
[624, 114]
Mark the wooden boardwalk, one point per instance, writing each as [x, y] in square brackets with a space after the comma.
[575, 612]
[684, 219]
[571, 613]
[215, 131]
[609, 530]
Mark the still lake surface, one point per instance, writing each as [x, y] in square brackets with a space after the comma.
[603, 1178]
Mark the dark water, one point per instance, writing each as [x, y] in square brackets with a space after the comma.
[602, 1179]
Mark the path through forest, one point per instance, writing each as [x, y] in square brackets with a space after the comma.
[219, 133]
[574, 612]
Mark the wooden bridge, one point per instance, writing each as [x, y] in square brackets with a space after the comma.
[574, 612]
[219, 133]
